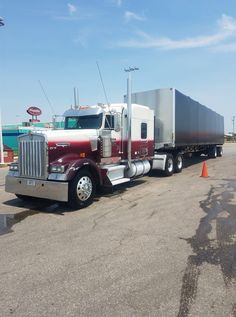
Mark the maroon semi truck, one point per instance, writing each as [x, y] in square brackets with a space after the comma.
[91, 151]
[106, 145]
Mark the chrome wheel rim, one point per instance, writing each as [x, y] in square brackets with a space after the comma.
[84, 188]
[215, 152]
[179, 162]
[170, 165]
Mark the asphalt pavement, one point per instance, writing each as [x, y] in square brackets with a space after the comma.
[161, 246]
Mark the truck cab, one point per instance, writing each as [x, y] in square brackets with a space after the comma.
[90, 152]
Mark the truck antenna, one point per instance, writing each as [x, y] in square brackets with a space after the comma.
[45, 95]
[104, 90]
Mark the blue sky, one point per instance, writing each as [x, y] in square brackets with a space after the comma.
[186, 44]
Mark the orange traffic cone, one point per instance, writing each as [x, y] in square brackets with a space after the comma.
[204, 170]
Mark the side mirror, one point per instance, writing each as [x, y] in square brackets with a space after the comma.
[117, 122]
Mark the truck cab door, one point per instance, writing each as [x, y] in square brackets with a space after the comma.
[112, 124]
[144, 142]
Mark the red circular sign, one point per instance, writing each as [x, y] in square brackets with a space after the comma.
[34, 111]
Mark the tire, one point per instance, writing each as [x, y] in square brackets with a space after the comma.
[178, 163]
[219, 151]
[169, 167]
[82, 190]
[213, 152]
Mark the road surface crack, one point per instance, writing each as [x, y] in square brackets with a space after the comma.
[220, 251]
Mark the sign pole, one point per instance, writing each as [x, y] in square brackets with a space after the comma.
[233, 119]
[1, 139]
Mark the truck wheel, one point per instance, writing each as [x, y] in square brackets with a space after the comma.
[213, 152]
[178, 164]
[219, 151]
[169, 167]
[81, 190]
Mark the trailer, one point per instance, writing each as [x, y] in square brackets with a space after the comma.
[104, 145]
[180, 121]
[182, 126]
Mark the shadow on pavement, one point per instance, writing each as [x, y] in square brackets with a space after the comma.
[35, 205]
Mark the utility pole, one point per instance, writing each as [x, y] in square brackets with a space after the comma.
[1, 138]
[233, 119]
[129, 108]
[1, 141]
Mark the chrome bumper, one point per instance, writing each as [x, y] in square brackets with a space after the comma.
[37, 188]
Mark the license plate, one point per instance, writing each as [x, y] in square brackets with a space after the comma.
[31, 182]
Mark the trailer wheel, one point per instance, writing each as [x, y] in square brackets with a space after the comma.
[81, 190]
[178, 163]
[213, 152]
[219, 151]
[169, 167]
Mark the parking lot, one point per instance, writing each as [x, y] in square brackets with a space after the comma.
[161, 246]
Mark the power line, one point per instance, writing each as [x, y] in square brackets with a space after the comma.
[104, 90]
[45, 94]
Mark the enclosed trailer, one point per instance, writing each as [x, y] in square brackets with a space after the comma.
[105, 145]
[180, 121]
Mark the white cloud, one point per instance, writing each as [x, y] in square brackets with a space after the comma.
[226, 48]
[66, 18]
[226, 30]
[70, 15]
[128, 15]
[118, 2]
[83, 37]
[71, 8]
[227, 23]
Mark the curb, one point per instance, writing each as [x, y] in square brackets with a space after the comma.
[3, 165]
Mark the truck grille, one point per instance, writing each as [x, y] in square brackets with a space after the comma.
[33, 156]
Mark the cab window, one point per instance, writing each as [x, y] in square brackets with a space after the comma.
[143, 130]
[84, 122]
[109, 122]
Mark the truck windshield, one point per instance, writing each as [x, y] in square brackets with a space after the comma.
[84, 122]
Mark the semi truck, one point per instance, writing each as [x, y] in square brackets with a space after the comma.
[104, 145]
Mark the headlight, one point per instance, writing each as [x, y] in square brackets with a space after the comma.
[13, 167]
[57, 168]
